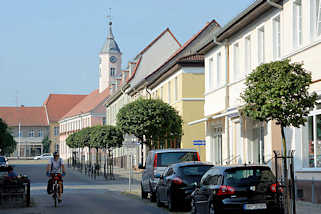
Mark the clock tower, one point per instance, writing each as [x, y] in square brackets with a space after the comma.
[110, 62]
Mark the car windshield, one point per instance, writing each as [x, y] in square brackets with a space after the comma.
[168, 158]
[2, 159]
[195, 170]
[248, 176]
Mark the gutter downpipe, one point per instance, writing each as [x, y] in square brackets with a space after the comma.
[227, 92]
[270, 2]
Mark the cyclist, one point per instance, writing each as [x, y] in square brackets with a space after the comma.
[56, 166]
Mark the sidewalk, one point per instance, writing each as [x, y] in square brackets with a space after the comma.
[121, 181]
[307, 208]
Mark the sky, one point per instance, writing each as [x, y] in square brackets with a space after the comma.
[52, 46]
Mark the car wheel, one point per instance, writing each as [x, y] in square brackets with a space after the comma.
[143, 193]
[193, 207]
[152, 196]
[158, 201]
[211, 209]
[171, 204]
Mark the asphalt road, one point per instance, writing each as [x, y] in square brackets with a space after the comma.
[81, 196]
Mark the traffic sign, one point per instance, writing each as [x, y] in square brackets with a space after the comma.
[199, 142]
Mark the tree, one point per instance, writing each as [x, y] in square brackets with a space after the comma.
[7, 142]
[105, 137]
[150, 120]
[278, 91]
[46, 144]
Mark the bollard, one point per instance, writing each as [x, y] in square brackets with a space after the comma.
[313, 201]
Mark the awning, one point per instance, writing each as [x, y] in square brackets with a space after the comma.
[197, 121]
[228, 113]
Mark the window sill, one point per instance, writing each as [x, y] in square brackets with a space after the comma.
[214, 90]
[308, 170]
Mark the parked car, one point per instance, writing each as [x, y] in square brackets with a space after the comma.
[157, 161]
[3, 161]
[237, 189]
[45, 156]
[176, 184]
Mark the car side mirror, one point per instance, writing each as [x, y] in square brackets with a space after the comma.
[141, 166]
[195, 185]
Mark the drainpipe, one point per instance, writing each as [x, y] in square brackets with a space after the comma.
[146, 89]
[270, 2]
[227, 91]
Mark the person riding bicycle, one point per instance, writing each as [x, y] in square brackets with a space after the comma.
[55, 166]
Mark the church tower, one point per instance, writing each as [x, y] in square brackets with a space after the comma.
[110, 62]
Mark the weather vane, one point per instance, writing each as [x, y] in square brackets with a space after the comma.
[109, 17]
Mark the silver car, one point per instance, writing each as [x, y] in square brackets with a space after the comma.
[157, 161]
[45, 156]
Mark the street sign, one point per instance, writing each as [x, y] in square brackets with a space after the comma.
[199, 142]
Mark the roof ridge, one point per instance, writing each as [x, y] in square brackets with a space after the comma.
[156, 39]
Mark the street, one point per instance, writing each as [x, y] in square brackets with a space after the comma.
[81, 195]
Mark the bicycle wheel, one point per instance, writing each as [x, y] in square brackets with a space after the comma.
[55, 195]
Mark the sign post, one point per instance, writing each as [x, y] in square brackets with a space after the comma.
[199, 143]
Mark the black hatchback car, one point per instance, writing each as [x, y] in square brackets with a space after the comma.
[237, 189]
[176, 184]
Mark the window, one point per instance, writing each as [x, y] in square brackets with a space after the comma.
[236, 56]
[56, 131]
[248, 54]
[255, 144]
[161, 92]
[176, 88]
[218, 69]
[169, 92]
[276, 38]
[312, 141]
[210, 74]
[32, 133]
[216, 144]
[40, 133]
[112, 72]
[297, 23]
[260, 54]
[315, 18]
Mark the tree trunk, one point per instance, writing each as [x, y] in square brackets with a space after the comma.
[285, 173]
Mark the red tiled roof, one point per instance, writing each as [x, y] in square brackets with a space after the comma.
[27, 116]
[89, 103]
[192, 58]
[57, 105]
[184, 46]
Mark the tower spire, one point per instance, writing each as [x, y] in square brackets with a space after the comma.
[110, 23]
[110, 45]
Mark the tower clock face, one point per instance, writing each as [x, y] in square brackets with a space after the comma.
[113, 59]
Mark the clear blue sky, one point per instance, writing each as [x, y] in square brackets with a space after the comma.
[51, 46]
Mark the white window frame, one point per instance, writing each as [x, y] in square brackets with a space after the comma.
[261, 45]
[169, 91]
[40, 133]
[248, 54]
[218, 69]
[276, 22]
[297, 24]
[210, 74]
[315, 14]
[176, 88]
[236, 61]
[112, 71]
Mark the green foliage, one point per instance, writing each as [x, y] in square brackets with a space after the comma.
[279, 91]
[46, 144]
[72, 140]
[7, 142]
[106, 137]
[154, 119]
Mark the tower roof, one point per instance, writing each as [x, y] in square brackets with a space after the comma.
[110, 45]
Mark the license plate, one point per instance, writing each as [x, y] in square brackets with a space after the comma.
[260, 206]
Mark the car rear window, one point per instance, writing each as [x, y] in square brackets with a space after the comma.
[248, 176]
[168, 158]
[2, 159]
[195, 170]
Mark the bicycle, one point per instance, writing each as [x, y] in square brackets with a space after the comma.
[56, 187]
